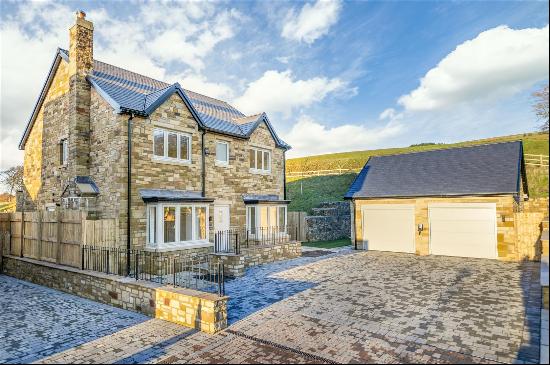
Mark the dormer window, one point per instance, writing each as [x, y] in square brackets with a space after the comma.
[64, 152]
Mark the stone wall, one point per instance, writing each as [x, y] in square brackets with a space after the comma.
[508, 246]
[236, 265]
[203, 311]
[330, 221]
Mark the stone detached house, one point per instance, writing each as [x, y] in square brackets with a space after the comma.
[171, 164]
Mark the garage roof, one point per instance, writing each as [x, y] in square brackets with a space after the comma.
[487, 169]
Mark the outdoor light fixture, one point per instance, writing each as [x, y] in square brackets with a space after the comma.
[420, 228]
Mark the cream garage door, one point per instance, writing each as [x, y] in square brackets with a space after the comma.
[466, 230]
[389, 227]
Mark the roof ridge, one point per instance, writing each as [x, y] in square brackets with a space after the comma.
[124, 69]
[444, 149]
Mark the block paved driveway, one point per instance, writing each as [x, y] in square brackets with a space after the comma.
[350, 307]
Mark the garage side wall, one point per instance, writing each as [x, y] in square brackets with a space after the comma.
[507, 242]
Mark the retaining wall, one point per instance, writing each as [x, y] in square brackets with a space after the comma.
[203, 311]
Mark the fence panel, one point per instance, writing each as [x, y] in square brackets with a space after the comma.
[55, 236]
[298, 220]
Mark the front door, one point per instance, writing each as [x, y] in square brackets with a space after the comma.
[221, 224]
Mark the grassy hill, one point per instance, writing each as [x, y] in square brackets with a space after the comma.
[307, 193]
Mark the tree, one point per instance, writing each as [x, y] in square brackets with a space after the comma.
[540, 107]
[12, 178]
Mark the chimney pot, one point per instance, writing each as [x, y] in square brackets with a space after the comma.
[81, 14]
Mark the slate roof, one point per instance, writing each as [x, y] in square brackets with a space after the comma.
[86, 185]
[487, 169]
[156, 195]
[263, 198]
[128, 91]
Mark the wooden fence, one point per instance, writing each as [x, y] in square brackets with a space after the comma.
[536, 160]
[54, 236]
[321, 172]
[298, 220]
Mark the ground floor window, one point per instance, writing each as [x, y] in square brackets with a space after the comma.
[170, 224]
[262, 217]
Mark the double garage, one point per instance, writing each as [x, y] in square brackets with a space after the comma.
[451, 202]
[453, 229]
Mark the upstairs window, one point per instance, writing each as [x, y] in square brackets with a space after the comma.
[260, 160]
[222, 153]
[171, 146]
[64, 152]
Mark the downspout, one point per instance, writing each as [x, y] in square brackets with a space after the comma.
[203, 165]
[284, 174]
[129, 200]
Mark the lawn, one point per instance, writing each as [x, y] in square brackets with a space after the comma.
[307, 193]
[329, 244]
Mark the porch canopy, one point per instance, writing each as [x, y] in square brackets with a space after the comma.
[166, 195]
[263, 199]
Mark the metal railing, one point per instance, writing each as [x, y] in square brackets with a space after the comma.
[236, 239]
[198, 272]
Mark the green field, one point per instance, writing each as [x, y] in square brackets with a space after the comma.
[307, 193]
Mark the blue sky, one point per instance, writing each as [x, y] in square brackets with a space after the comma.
[332, 76]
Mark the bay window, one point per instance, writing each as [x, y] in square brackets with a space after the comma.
[171, 146]
[266, 217]
[260, 160]
[173, 225]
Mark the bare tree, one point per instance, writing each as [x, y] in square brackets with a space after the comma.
[540, 107]
[12, 178]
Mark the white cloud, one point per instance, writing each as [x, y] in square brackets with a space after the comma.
[280, 92]
[308, 137]
[389, 113]
[191, 44]
[312, 22]
[498, 62]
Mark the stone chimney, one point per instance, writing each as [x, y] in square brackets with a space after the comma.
[81, 61]
[81, 46]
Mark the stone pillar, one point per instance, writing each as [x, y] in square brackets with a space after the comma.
[80, 65]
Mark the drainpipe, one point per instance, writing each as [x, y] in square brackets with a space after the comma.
[129, 201]
[284, 174]
[203, 164]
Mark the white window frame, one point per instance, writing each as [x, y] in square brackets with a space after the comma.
[220, 162]
[269, 218]
[64, 152]
[159, 243]
[179, 135]
[256, 169]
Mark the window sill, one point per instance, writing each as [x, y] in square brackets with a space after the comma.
[165, 247]
[260, 172]
[221, 164]
[171, 161]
